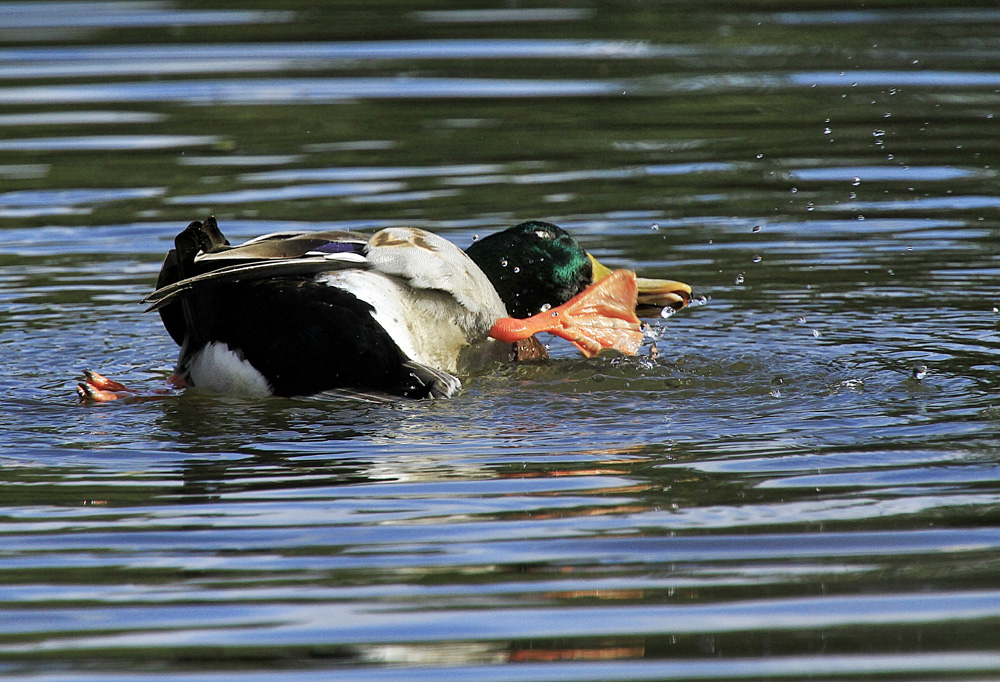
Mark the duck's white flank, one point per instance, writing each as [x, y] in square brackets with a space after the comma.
[217, 368]
[423, 324]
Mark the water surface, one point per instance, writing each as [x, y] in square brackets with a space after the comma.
[799, 482]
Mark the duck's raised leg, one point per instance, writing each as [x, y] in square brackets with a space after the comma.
[601, 316]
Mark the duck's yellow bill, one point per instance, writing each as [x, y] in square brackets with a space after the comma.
[601, 316]
[653, 294]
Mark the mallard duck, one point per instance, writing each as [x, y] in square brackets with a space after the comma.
[401, 312]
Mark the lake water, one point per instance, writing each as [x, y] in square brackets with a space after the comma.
[802, 481]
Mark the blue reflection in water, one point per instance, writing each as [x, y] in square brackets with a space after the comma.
[295, 90]
[367, 50]
[46, 197]
[370, 172]
[30, 15]
[37, 118]
[883, 173]
[332, 189]
[924, 78]
[106, 142]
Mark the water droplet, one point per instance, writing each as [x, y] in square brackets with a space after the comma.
[878, 132]
[475, 237]
[555, 313]
[702, 300]
[794, 190]
[516, 269]
[827, 131]
[667, 312]
[760, 156]
[856, 181]
[852, 195]
[503, 263]
[775, 393]
[546, 307]
[802, 320]
[756, 259]
[654, 227]
[816, 333]
[996, 309]
[890, 272]
[810, 206]
[756, 228]
[739, 278]
[919, 371]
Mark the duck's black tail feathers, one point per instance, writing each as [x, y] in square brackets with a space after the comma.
[198, 237]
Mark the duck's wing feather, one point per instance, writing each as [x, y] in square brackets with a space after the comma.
[276, 255]
[441, 384]
[434, 383]
[427, 261]
[251, 271]
[285, 245]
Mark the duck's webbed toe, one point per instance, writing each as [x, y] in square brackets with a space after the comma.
[97, 388]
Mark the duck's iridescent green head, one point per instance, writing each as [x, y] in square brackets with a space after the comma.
[533, 266]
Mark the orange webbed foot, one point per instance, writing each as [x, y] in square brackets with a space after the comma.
[601, 316]
[97, 388]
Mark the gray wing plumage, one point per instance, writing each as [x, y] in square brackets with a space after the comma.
[274, 255]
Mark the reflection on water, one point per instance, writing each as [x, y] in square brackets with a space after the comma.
[109, 143]
[796, 479]
[301, 90]
[52, 19]
[121, 60]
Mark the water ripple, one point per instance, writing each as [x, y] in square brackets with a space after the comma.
[311, 52]
[327, 189]
[106, 142]
[300, 90]
[21, 16]
[298, 625]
